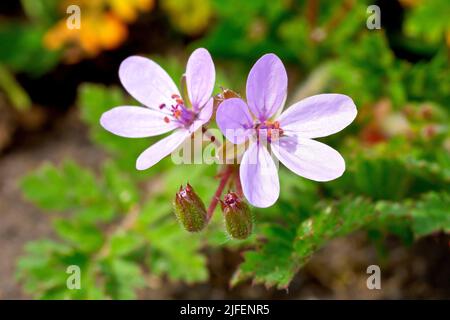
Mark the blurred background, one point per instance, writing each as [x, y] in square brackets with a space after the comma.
[70, 195]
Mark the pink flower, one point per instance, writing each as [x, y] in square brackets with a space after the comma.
[165, 110]
[289, 135]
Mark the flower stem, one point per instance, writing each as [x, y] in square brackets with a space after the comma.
[237, 183]
[215, 200]
[312, 6]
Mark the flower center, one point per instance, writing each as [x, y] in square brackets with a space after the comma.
[230, 199]
[269, 130]
[179, 111]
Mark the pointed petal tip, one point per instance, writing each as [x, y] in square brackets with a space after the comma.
[269, 55]
[262, 204]
[135, 122]
[142, 163]
[140, 166]
[130, 61]
[105, 121]
[101, 121]
[201, 50]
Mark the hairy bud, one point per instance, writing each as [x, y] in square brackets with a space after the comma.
[238, 218]
[190, 209]
[222, 96]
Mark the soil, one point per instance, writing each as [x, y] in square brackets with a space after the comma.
[21, 221]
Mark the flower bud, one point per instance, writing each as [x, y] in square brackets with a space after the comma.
[190, 209]
[238, 218]
[222, 96]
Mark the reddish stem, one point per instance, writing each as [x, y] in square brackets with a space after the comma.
[237, 183]
[312, 7]
[215, 200]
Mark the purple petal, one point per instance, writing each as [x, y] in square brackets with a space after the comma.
[259, 177]
[200, 77]
[136, 122]
[234, 120]
[203, 116]
[308, 158]
[266, 86]
[161, 149]
[147, 82]
[319, 116]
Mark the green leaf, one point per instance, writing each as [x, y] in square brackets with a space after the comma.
[42, 271]
[124, 243]
[176, 253]
[431, 214]
[83, 236]
[61, 189]
[285, 248]
[25, 52]
[273, 263]
[123, 277]
[121, 189]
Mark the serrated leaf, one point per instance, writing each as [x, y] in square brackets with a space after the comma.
[272, 264]
[123, 243]
[176, 253]
[83, 236]
[61, 189]
[284, 249]
[123, 277]
[431, 214]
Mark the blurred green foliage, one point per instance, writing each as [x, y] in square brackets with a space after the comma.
[23, 49]
[117, 224]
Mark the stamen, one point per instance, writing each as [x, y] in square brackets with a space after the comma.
[166, 119]
[182, 115]
[272, 129]
[177, 113]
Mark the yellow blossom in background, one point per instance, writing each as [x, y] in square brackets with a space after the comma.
[103, 27]
[109, 33]
[189, 16]
[128, 10]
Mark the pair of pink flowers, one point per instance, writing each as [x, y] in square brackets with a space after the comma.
[288, 135]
